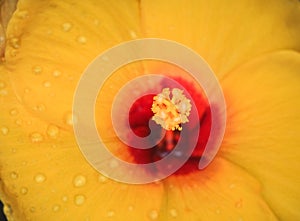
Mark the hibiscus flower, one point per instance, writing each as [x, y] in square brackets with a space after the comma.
[253, 49]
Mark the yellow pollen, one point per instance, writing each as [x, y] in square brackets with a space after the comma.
[170, 113]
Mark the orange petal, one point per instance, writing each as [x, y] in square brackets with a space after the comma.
[226, 34]
[222, 191]
[44, 176]
[263, 127]
[52, 42]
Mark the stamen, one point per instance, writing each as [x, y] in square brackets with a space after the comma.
[170, 113]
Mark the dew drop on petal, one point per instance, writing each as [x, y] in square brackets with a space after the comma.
[40, 178]
[66, 26]
[36, 137]
[14, 42]
[23, 190]
[173, 212]
[110, 213]
[79, 200]
[7, 210]
[130, 208]
[39, 108]
[3, 92]
[56, 73]
[102, 179]
[4, 130]
[132, 34]
[47, 84]
[79, 181]
[27, 90]
[70, 119]
[37, 70]
[32, 209]
[2, 84]
[153, 214]
[64, 198]
[239, 204]
[52, 131]
[14, 175]
[56, 208]
[14, 112]
[81, 39]
[19, 122]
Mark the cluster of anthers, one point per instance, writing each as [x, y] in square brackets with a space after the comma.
[170, 113]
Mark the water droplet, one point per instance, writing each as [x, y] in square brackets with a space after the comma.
[32, 209]
[4, 130]
[23, 190]
[66, 26]
[64, 198]
[2, 84]
[132, 34]
[173, 212]
[56, 208]
[7, 210]
[13, 112]
[52, 131]
[14, 175]
[39, 107]
[15, 43]
[79, 181]
[27, 90]
[79, 200]
[239, 203]
[36, 137]
[40, 178]
[37, 69]
[3, 92]
[70, 119]
[19, 122]
[102, 179]
[81, 39]
[110, 213]
[56, 73]
[130, 208]
[218, 211]
[47, 84]
[153, 214]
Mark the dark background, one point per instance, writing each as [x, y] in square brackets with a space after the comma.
[2, 217]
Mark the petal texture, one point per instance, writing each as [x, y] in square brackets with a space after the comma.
[44, 176]
[225, 33]
[52, 42]
[263, 128]
[223, 191]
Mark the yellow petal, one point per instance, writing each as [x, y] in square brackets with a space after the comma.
[263, 127]
[52, 42]
[225, 33]
[222, 191]
[44, 176]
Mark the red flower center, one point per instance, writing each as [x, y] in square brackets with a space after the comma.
[140, 114]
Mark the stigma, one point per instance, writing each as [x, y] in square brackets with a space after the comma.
[171, 109]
